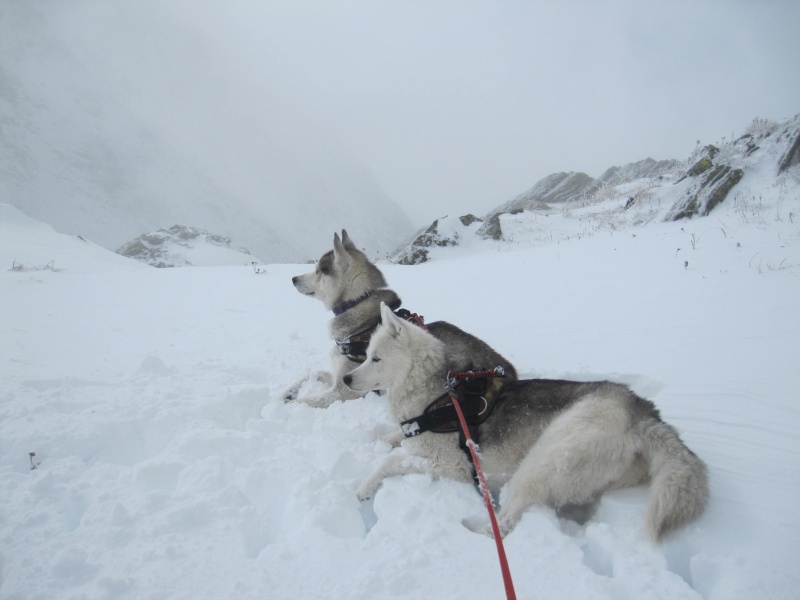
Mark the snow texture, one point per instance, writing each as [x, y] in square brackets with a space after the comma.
[166, 465]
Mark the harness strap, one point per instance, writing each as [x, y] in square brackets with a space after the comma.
[478, 398]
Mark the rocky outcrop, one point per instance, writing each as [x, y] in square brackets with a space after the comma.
[716, 170]
[648, 168]
[792, 155]
[173, 247]
[443, 232]
[566, 188]
[711, 189]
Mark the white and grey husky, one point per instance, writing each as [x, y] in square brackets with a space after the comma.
[348, 284]
[549, 442]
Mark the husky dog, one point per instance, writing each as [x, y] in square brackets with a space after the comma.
[348, 284]
[549, 442]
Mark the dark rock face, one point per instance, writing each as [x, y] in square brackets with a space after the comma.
[792, 155]
[712, 189]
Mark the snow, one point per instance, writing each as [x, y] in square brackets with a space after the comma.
[168, 466]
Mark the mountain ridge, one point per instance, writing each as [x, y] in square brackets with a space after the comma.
[766, 155]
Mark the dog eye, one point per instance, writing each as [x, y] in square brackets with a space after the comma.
[375, 359]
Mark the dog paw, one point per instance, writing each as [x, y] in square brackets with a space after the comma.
[366, 491]
[503, 525]
[323, 377]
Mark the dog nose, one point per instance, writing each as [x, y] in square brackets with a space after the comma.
[294, 280]
[347, 379]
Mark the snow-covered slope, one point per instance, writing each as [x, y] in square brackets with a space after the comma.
[28, 245]
[166, 465]
[742, 171]
[573, 188]
[110, 136]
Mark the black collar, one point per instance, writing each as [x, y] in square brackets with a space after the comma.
[355, 346]
[348, 304]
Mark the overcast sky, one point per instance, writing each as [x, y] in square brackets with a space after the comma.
[456, 107]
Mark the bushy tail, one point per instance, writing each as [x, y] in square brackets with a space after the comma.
[678, 481]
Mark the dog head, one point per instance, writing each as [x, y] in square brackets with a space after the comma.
[341, 274]
[387, 355]
[398, 353]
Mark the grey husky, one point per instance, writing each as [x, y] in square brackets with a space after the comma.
[548, 442]
[348, 284]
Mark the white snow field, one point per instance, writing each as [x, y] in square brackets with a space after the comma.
[168, 467]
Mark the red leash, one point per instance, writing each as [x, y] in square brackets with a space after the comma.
[452, 376]
[487, 498]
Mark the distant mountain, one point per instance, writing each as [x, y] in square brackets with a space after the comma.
[109, 142]
[765, 157]
[564, 188]
[182, 246]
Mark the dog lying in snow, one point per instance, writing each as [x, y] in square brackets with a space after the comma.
[549, 442]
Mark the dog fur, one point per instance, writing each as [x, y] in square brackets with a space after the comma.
[345, 274]
[549, 442]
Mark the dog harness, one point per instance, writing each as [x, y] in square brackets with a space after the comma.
[355, 346]
[477, 393]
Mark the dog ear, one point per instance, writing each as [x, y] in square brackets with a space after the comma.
[391, 321]
[347, 242]
[338, 248]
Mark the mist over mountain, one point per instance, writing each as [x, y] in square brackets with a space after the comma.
[116, 122]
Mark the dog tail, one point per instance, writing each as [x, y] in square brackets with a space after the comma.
[678, 481]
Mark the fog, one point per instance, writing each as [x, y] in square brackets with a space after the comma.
[445, 107]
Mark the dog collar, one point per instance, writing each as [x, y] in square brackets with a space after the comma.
[354, 347]
[348, 304]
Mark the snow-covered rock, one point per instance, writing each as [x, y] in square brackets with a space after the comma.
[443, 232]
[182, 246]
[572, 188]
[765, 157]
[715, 170]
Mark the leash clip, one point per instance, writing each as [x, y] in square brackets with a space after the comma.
[450, 383]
